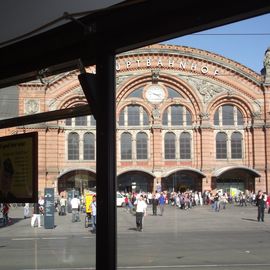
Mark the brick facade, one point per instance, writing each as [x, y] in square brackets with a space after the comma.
[204, 81]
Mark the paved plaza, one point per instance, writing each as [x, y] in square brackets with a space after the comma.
[197, 238]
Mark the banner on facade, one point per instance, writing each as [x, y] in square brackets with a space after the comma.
[18, 168]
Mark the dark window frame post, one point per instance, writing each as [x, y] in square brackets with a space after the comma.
[106, 246]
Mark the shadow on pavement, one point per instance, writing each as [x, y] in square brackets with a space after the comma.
[249, 219]
[132, 229]
[11, 222]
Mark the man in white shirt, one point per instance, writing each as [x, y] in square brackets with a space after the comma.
[140, 212]
[94, 214]
[75, 205]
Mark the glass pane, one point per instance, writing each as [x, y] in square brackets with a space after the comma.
[216, 118]
[133, 115]
[145, 118]
[81, 121]
[38, 235]
[176, 115]
[68, 122]
[169, 146]
[136, 93]
[240, 119]
[173, 93]
[126, 148]
[92, 121]
[185, 146]
[89, 146]
[165, 118]
[141, 143]
[73, 146]
[227, 115]
[188, 118]
[122, 118]
[236, 145]
[221, 146]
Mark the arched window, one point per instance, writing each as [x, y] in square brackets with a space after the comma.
[236, 145]
[169, 145]
[126, 146]
[185, 146]
[135, 115]
[221, 145]
[89, 146]
[81, 121]
[141, 145]
[176, 115]
[229, 115]
[73, 146]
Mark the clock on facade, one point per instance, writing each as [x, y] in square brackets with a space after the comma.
[155, 93]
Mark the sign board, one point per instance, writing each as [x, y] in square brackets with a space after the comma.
[88, 202]
[18, 168]
[49, 208]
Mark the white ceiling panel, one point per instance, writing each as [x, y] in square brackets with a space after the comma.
[20, 19]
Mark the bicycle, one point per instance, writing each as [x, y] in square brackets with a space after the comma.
[87, 220]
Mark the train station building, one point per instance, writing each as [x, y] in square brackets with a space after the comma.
[186, 119]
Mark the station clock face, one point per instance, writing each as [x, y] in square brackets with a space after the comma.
[155, 93]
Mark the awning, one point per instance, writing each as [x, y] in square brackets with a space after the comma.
[221, 171]
[188, 169]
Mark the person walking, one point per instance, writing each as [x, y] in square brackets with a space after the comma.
[260, 202]
[140, 213]
[26, 210]
[63, 203]
[5, 212]
[154, 205]
[36, 216]
[217, 202]
[75, 205]
[94, 214]
[161, 202]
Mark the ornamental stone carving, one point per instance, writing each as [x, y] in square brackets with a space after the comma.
[266, 64]
[155, 76]
[156, 113]
[256, 115]
[120, 79]
[31, 106]
[206, 89]
[204, 116]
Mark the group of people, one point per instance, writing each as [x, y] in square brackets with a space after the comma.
[186, 200]
[139, 202]
[75, 208]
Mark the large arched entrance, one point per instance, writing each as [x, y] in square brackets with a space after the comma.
[183, 180]
[79, 180]
[235, 179]
[135, 181]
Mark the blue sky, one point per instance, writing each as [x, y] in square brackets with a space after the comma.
[245, 41]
